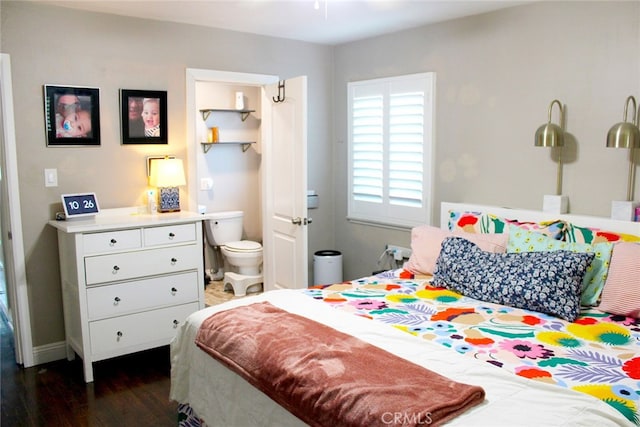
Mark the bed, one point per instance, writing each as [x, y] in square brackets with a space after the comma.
[566, 362]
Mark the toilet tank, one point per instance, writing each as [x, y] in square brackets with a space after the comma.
[223, 227]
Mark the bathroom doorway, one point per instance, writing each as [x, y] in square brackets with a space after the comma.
[285, 249]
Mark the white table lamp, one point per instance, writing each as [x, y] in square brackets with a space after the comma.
[167, 174]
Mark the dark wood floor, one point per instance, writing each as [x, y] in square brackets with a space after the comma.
[127, 391]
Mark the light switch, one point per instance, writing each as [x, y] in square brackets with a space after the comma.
[51, 177]
[206, 184]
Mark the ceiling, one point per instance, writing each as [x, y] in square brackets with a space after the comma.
[322, 21]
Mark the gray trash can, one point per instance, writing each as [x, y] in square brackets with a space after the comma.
[327, 267]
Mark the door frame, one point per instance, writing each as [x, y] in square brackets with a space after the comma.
[16, 278]
[194, 75]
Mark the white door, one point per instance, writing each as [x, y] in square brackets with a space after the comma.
[284, 178]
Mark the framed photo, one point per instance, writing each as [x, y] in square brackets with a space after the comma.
[72, 115]
[143, 116]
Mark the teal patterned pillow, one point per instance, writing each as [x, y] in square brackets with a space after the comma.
[528, 241]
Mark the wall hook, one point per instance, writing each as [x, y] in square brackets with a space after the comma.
[280, 97]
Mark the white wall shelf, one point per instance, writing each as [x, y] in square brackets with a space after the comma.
[207, 112]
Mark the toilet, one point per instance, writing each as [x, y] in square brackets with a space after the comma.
[243, 258]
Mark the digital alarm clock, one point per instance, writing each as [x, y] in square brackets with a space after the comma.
[80, 204]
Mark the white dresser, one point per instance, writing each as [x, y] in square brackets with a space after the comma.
[128, 281]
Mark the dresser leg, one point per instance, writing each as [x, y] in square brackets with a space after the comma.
[88, 371]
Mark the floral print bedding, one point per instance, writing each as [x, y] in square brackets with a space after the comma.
[598, 354]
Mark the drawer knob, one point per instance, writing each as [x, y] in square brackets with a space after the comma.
[171, 235]
[116, 300]
[115, 269]
[175, 323]
[174, 290]
[119, 334]
[173, 260]
[113, 242]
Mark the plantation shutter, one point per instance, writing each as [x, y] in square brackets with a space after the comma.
[390, 144]
[406, 137]
[368, 148]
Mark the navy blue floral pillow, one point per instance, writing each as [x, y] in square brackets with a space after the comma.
[546, 282]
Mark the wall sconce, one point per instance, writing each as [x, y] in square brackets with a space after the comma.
[167, 174]
[626, 135]
[552, 135]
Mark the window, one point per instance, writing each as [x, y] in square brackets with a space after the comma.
[390, 150]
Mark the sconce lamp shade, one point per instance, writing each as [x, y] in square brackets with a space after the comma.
[167, 174]
[623, 135]
[549, 135]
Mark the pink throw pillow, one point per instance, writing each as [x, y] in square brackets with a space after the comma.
[426, 242]
[621, 293]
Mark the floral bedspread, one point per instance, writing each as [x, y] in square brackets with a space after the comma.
[598, 354]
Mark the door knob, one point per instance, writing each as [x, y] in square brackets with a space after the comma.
[308, 221]
[296, 221]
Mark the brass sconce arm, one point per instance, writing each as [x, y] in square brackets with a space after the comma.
[552, 135]
[627, 135]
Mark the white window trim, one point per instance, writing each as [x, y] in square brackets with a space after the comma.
[383, 214]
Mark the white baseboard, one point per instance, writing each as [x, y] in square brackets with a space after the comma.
[49, 353]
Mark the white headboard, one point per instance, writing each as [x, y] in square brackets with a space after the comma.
[627, 227]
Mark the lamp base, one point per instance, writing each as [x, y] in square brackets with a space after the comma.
[555, 204]
[169, 199]
[623, 210]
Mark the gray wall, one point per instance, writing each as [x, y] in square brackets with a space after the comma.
[61, 46]
[497, 73]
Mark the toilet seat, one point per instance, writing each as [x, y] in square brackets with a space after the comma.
[243, 246]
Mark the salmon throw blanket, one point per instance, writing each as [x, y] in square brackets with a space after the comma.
[328, 378]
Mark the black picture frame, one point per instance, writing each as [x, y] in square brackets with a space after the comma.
[72, 115]
[133, 129]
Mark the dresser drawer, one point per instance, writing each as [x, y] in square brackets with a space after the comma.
[130, 265]
[111, 241]
[139, 295]
[170, 234]
[124, 334]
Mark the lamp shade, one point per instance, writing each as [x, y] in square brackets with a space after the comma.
[549, 135]
[167, 173]
[625, 134]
